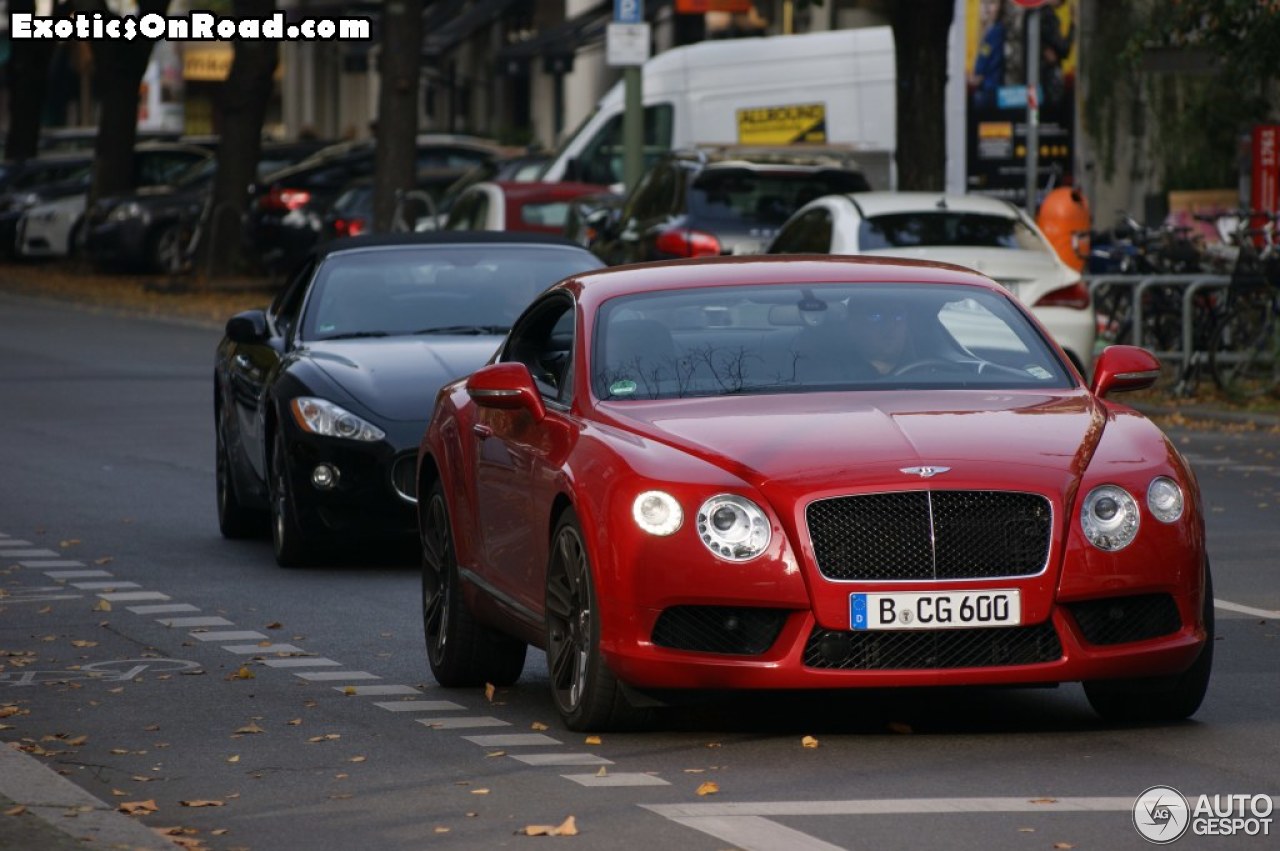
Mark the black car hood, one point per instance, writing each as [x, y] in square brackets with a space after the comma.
[397, 378]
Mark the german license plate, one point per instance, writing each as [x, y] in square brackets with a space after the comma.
[935, 610]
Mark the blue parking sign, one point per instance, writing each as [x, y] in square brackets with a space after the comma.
[628, 11]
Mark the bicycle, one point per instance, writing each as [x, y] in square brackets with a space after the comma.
[1244, 353]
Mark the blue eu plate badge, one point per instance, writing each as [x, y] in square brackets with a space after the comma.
[857, 611]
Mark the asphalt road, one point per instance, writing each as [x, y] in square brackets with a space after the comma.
[140, 663]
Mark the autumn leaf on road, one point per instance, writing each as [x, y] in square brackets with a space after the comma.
[15, 811]
[202, 803]
[809, 742]
[82, 643]
[251, 727]
[70, 542]
[489, 692]
[709, 788]
[243, 674]
[1044, 800]
[138, 808]
[568, 827]
[275, 625]
[538, 725]
[327, 737]
[592, 740]
[103, 560]
[102, 606]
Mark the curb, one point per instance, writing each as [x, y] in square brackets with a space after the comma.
[66, 816]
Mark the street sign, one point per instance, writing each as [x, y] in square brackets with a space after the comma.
[628, 11]
[626, 45]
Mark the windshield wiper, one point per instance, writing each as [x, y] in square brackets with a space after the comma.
[355, 335]
[466, 329]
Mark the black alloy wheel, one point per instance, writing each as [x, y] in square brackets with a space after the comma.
[292, 549]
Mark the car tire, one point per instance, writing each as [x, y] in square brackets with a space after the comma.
[1159, 699]
[234, 520]
[587, 694]
[168, 250]
[461, 651]
[292, 548]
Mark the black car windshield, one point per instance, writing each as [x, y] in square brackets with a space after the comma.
[767, 197]
[788, 338]
[461, 289]
[902, 230]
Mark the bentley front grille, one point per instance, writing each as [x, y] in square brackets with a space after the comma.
[922, 535]
[877, 650]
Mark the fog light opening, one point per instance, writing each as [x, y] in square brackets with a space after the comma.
[324, 477]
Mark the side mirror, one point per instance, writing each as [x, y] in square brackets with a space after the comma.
[508, 387]
[249, 327]
[1122, 368]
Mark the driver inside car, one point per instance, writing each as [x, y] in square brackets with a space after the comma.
[860, 341]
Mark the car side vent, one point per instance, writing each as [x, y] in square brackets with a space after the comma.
[1117, 620]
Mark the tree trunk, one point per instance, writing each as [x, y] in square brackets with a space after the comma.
[244, 101]
[118, 67]
[396, 153]
[921, 30]
[28, 72]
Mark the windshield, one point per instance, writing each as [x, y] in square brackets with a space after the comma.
[764, 197]
[721, 341]
[433, 289]
[974, 230]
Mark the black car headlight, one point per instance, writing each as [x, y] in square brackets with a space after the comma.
[320, 416]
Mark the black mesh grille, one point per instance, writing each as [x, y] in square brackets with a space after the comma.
[404, 476]
[974, 534]
[950, 648]
[719, 629]
[1120, 619]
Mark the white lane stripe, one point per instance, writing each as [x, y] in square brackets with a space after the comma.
[31, 554]
[419, 705]
[39, 598]
[1246, 610]
[162, 608]
[74, 574]
[57, 562]
[203, 620]
[459, 723]
[752, 833]
[895, 806]
[103, 586]
[378, 690]
[125, 596]
[560, 759]
[625, 778]
[227, 635]
[316, 676]
[300, 662]
[264, 649]
[512, 740]
[14, 542]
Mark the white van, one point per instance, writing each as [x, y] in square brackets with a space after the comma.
[834, 88]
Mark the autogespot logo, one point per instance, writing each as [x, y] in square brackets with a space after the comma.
[1161, 814]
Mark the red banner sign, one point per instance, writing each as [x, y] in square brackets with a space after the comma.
[698, 7]
[1266, 167]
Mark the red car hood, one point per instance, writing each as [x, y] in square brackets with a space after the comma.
[798, 447]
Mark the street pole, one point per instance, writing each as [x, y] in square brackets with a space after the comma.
[1033, 108]
[627, 45]
[633, 126]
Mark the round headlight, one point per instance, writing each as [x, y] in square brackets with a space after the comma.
[733, 527]
[657, 513]
[1109, 518]
[1164, 498]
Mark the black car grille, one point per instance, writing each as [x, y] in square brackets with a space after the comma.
[719, 629]
[992, 647]
[1117, 620]
[404, 476]
[931, 535]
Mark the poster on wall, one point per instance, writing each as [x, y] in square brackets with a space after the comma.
[996, 69]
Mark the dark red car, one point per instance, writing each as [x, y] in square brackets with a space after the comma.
[807, 472]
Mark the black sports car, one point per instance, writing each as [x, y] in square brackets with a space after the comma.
[320, 400]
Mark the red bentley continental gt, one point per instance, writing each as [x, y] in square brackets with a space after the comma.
[807, 472]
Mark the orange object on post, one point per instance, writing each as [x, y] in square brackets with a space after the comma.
[698, 7]
[1064, 218]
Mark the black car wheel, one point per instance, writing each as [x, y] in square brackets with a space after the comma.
[586, 692]
[169, 250]
[292, 549]
[460, 650]
[234, 520]
[1159, 699]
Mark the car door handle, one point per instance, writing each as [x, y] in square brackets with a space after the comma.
[482, 431]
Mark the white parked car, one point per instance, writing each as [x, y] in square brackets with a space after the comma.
[51, 229]
[986, 234]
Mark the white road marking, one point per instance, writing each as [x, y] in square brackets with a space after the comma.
[162, 608]
[74, 574]
[458, 723]
[513, 740]
[264, 649]
[127, 596]
[560, 759]
[1246, 610]
[227, 635]
[44, 562]
[205, 620]
[14, 542]
[378, 690]
[419, 705]
[31, 554]
[300, 662]
[623, 778]
[315, 676]
[103, 586]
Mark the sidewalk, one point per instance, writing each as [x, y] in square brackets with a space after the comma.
[42, 811]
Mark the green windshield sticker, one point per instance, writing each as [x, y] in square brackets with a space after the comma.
[622, 388]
